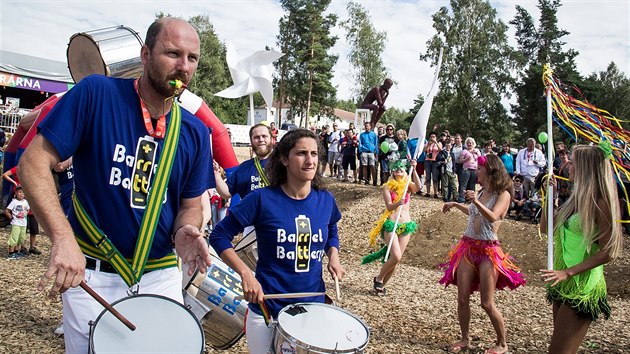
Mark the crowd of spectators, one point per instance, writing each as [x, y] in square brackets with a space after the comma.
[447, 165]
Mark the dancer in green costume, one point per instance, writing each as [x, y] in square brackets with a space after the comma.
[384, 227]
[587, 235]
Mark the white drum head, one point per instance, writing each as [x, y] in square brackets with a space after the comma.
[162, 326]
[323, 326]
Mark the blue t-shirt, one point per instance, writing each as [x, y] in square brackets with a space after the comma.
[368, 142]
[99, 123]
[293, 237]
[245, 178]
[65, 179]
[508, 162]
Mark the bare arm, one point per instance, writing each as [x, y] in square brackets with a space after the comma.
[448, 206]
[190, 244]
[7, 175]
[252, 289]
[416, 185]
[7, 212]
[334, 263]
[391, 206]
[221, 186]
[67, 262]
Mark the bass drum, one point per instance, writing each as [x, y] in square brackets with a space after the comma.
[211, 297]
[112, 51]
[162, 326]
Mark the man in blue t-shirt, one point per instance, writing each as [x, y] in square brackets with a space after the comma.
[126, 137]
[249, 175]
[368, 149]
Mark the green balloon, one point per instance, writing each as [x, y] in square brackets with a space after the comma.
[384, 147]
[542, 137]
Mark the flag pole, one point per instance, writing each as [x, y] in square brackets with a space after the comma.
[418, 129]
[550, 196]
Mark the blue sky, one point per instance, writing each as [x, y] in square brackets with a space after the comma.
[599, 30]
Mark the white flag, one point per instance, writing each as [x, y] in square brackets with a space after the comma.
[418, 128]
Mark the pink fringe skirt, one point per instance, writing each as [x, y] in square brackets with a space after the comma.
[476, 251]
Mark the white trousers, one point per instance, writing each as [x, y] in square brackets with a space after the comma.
[259, 336]
[79, 308]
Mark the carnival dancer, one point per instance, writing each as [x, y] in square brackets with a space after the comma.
[577, 288]
[384, 226]
[294, 234]
[477, 262]
[106, 124]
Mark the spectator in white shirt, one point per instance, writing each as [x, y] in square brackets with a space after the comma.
[529, 162]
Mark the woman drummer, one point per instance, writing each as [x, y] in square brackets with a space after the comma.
[296, 224]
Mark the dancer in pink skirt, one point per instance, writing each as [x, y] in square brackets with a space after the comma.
[477, 262]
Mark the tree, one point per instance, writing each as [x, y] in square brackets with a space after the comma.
[475, 74]
[213, 74]
[610, 90]
[306, 68]
[536, 47]
[366, 47]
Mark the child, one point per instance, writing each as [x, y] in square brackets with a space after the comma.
[16, 212]
[519, 196]
[348, 149]
[532, 206]
[445, 162]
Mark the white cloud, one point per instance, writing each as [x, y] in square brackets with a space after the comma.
[599, 30]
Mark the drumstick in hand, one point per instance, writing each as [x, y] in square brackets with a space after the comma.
[106, 305]
[283, 296]
[337, 289]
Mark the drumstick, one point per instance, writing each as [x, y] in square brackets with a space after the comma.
[283, 296]
[107, 306]
[337, 289]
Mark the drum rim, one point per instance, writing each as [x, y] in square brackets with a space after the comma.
[237, 248]
[98, 318]
[315, 349]
[91, 38]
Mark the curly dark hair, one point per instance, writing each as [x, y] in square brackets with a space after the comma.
[276, 171]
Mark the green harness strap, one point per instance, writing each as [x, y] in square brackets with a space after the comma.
[264, 181]
[132, 274]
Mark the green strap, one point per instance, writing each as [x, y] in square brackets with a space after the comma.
[132, 274]
[264, 182]
[102, 243]
[151, 215]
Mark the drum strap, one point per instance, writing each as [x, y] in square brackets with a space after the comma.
[264, 181]
[132, 274]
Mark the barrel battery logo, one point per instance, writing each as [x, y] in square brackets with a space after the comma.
[142, 171]
[303, 243]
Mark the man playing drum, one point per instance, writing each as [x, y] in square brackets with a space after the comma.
[126, 137]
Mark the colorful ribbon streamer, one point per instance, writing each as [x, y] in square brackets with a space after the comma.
[580, 119]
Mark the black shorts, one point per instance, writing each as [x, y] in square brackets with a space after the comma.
[32, 225]
[349, 160]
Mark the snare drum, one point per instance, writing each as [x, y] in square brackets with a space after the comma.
[162, 326]
[112, 51]
[247, 248]
[319, 328]
[211, 296]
